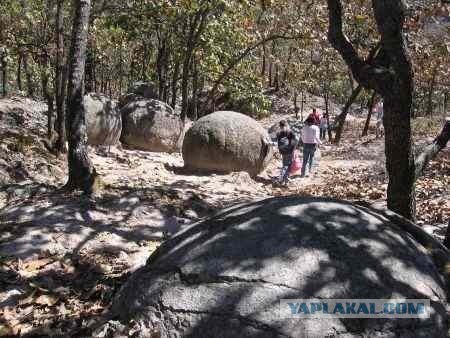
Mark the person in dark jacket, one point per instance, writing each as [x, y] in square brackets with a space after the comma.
[286, 145]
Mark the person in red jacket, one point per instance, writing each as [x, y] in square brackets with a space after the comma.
[315, 116]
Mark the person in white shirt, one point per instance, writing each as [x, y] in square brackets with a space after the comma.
[311, 140]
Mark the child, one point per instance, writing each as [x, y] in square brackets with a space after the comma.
[286, 145]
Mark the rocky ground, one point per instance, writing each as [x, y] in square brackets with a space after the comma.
[63, 256]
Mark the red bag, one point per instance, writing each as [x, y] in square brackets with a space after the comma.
[296, 164]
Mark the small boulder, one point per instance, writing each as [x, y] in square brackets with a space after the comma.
[151, 125]
[227, 141]
[103, 120]
[139, 90]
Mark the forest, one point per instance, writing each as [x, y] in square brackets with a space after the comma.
[179, 168]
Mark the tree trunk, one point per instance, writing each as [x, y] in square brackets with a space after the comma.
[48, 95]
[185, 83]
[194, 91]
[340, 119]
[263, 64]
[4, 64]
[327, 114]
[369, 114]
[29, 76]
[302, 102]
[296, 109]
[197, 27]
[60, 82]
[276, 79]
[82, 173]
[176, 72]
[390, 73]
[89, 71]
[270, 74]
[161, 62]
[19, 72]
[399, 157]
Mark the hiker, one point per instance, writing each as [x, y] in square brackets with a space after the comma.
[323, 126]
[286, 145]
[311, 141]
[379, 126]
[315, 116]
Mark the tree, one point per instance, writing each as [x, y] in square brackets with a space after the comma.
[370, 106]
[60, 85]
[4, 65]
[390, 74]
[82, 173]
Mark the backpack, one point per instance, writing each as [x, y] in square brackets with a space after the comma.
[284, 143]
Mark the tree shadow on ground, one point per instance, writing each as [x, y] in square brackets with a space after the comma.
[57, 220]
[120, 221]
[225, 276]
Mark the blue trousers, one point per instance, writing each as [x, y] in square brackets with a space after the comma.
[309, 150]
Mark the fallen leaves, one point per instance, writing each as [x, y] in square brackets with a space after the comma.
[55, 295]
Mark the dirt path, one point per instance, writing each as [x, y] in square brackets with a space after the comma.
[63, 256]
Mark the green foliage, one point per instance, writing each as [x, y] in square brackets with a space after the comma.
[156, 39]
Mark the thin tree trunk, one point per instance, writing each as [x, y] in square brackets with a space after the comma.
[296, 109]
[175, 75]
[340, 120]
[89, 71]
[94, 71]
[327, 114]
[82, 173]
[263, 65]
[60, 81]
[160, 66]
[369, 114]
[197, 27]
[185, 83]
[302, 104]
[19, 72]
[48, 95]
[29, 76]
[194, 91]
[270, 74]
[276, 80]
[4, 64]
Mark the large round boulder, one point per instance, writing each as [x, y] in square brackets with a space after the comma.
[151, 125]
[103, 120]
[227, 141]
[225, 276]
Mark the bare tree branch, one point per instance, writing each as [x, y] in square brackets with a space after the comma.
[431, 150]
[371, 73]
